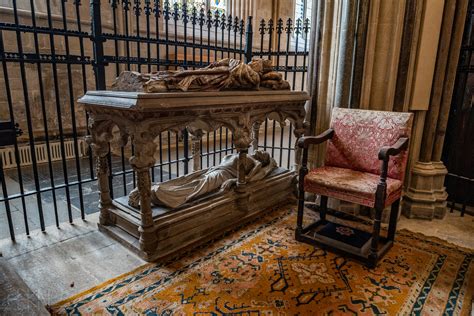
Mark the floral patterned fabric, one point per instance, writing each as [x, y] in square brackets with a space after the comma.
[359, 135]
[352, 168]
[350, 185]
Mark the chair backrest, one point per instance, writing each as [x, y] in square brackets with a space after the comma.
[359, 135]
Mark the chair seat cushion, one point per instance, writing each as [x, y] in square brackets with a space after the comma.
[350, 185]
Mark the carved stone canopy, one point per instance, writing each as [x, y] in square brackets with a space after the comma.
[146, 115]
[141, 117]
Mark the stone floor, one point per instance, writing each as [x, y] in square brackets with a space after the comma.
[62, 262]
[16, 297]
[453, 228]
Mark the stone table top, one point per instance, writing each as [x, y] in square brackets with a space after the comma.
[143, 102]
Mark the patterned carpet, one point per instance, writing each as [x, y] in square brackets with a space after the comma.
[261, 270]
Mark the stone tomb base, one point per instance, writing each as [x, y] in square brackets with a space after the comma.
[180, 229]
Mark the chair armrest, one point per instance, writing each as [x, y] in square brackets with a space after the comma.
[304, 142]
[387, 151]
[384, 155]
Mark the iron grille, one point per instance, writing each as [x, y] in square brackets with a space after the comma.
[52, 54]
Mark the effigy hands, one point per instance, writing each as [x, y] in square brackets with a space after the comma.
[228, 185]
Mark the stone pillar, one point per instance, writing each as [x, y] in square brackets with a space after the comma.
[99, 142]
[448, 87]
[242, 8]
[419, 200]
[359, 52]
[345, 57]
[255, 134]
[103, 173]
[382, 54]
[242, 141]
[196, 135]
[141, 162]
[426, 195]
[322, 70]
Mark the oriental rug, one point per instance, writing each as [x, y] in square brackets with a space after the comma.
[261, 270]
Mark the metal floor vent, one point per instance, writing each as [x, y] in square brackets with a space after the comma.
[8, 153]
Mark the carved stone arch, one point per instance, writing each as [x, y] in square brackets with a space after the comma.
[283, 115]
[155, 128]
[176, 128]
[208, 124]
[277, 116]
[121, 138]
[297, 120]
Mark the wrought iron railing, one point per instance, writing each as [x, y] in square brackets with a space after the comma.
[52, 54]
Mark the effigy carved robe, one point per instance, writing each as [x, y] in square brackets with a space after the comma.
[176, 192]
[225, 74]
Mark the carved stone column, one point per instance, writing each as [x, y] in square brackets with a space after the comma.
[345, 58]
[99, 143]
[103, 173]
[141, 162]
[196, 135]
[426, 195]
[242, 142]
[422, 199]
[255, 131]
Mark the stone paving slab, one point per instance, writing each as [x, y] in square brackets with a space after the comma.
[16, 298]
[62, 262]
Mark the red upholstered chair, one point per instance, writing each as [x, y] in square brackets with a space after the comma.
[365, 164]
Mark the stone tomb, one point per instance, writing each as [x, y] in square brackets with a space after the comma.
[157, 232]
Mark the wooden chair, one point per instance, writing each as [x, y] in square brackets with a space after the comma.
[365, 163]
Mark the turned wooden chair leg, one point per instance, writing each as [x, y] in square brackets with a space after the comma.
[302, 173]
[392, 226]
[323, 208]
[299, 218]
[373, 254]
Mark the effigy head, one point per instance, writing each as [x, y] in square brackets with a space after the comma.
[261, 156]
[261, 66]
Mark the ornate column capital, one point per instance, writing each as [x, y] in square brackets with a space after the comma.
[145, 148]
